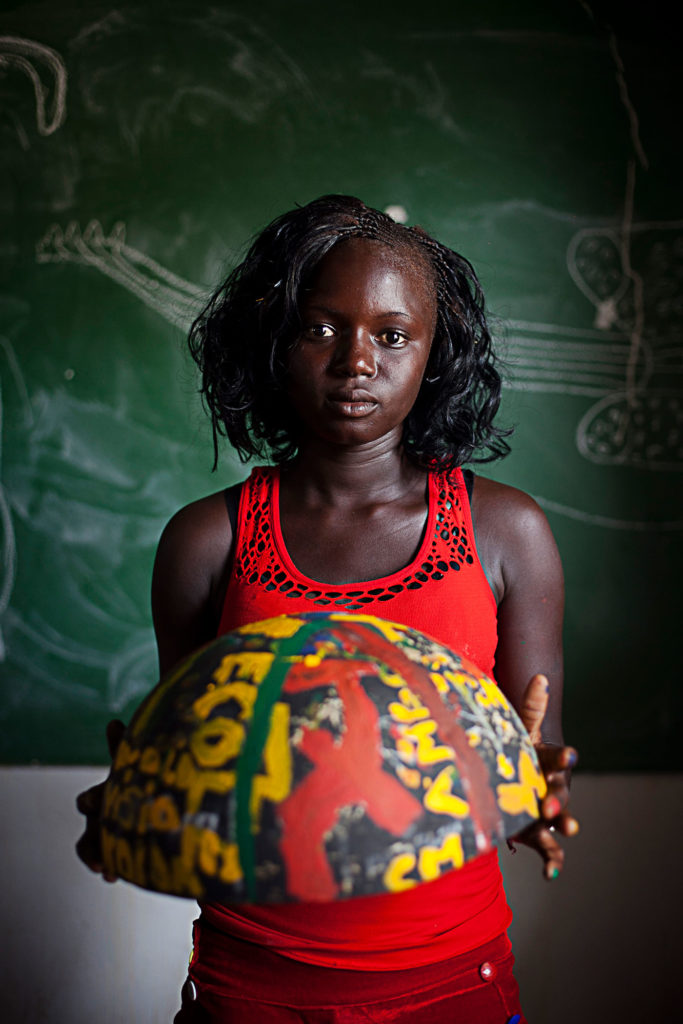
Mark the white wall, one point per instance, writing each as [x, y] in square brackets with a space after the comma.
[601, 944]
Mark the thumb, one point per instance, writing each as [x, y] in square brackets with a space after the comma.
[534, 707]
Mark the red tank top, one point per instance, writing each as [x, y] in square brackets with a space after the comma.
[443, 592]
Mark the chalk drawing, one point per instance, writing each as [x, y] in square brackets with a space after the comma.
[642, 424]
[569, 361]
[421, 87]
[631, 361]
[8, 547]
[634, 429]
[32, 58]
[639, 421]
[8, 566]
[129, 670]
[176, 299]
[631, 274]
[591, 519]
[85, 450]
[241, 72]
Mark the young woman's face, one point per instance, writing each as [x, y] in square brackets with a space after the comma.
[368, 318]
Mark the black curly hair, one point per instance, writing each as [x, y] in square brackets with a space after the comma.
[242, 338]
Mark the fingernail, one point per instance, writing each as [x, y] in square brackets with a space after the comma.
[571, 757]
[551, 807]
[552, 874]
[572, 827]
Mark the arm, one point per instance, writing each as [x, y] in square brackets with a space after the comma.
[519, 552]
[190, 578]
[530, 607]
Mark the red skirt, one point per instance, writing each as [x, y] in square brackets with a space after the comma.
[234, 982]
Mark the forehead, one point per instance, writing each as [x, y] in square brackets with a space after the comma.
[362, 266]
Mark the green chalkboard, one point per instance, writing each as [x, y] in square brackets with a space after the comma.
[141, 145]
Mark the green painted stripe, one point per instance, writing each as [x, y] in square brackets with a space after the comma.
[249, 761]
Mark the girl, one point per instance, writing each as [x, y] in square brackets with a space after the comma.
[354, 355]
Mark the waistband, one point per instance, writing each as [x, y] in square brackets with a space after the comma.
[233, 968]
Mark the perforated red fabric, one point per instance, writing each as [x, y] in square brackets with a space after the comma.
[443, 591]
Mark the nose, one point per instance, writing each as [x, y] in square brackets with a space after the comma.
[355, 355]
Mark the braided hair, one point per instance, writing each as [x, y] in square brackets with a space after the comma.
[242, 339]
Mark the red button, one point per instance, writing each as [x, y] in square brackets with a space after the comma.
[487, 971]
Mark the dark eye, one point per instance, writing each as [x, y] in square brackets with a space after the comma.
[320, 330]
[393, 338]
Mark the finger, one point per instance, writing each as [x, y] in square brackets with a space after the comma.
[551, 853]
[556, 759]
[534, 707]
[556, 798]
[542, 839]
[87, 849]
[551, 807]
[115, 731]
[567, 825]
[90, 800]
[569, 757]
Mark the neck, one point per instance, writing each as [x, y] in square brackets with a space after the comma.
[343, 476]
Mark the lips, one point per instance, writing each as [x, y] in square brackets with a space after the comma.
[354, 402]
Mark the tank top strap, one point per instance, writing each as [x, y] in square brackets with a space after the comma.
[253, 534]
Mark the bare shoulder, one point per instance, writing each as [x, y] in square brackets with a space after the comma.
[512, 533]
[201, 528]
[203, 522]
[504, 508]
[190, 577]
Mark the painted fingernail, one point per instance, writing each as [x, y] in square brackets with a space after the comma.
[552, 874]
[572, 827]
[551, 807]
[571, 757]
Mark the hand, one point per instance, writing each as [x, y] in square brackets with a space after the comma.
[556, 763]
[89, 803]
